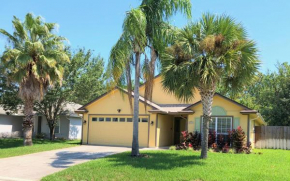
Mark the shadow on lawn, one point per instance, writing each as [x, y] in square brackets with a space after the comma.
[65, 158]
[157, 161]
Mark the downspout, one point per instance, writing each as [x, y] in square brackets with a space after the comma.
[248, 131]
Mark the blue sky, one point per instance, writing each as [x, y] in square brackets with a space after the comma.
[98, 24]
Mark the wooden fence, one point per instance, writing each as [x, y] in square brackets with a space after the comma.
[273, 137]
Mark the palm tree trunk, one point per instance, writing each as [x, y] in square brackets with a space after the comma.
[135, 142]
[206, 99]
[28, 123]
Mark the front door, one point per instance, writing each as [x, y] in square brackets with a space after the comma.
[177, 132]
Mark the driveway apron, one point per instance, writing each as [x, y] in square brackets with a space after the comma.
[37, 165]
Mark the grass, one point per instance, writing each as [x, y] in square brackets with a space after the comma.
[182, 165]
[14, 147]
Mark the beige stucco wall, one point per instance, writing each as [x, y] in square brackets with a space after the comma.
[159, 96]
[108, 133]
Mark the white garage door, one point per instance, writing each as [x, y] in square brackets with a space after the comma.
[75, 128]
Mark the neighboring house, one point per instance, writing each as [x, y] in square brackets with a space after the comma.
[69, 126]
[108, 119]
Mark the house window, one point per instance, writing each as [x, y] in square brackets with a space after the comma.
[221, 125]
[94, 119]
[129, 119]
[101, 119]
[108, 119]
[115, 119]
[144, 120]
[122, 119]
[57, 127]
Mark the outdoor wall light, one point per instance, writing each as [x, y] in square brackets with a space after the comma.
[85, 122]
[152, 122]
[119, 110]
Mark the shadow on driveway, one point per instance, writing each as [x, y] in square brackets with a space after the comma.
[65, 158]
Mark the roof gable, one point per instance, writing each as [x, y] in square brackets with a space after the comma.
[141, 99]
[245, 108]
[160, 96]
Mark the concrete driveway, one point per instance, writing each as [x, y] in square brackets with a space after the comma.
[37, 165]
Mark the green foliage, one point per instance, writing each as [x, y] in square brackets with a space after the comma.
[14, 147]
[84, 77]
[239, 138]
[34, 59]
[182, 165]
[269, 93]
[9, 99]
[210, 52]
[83, 81]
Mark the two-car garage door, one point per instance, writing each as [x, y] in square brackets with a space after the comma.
[116, 130]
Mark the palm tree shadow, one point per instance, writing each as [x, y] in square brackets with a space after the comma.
[66, 159]
[157, 161]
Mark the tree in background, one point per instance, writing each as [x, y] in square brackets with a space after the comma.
[33, 62]
[213, 51]
[144, 27]
[83, 80]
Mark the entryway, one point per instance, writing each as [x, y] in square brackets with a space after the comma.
[179, 126]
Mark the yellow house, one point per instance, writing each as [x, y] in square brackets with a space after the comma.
[107, 120]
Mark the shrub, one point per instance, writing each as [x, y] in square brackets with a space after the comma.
[238, 138]
[215, 147]
[221, 141]
[211, 138]
[40, 135]
[230, 138]
[247, 149]
[226, 148]
[172, 148]
[189, 140]
[61, 139]
[196, 140]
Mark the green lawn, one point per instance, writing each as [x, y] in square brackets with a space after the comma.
[14, 147]
[182, 165]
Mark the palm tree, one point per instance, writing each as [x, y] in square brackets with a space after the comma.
[213, 51]
[128, 50]
[143, 27]
[34, 62]
[159, 33]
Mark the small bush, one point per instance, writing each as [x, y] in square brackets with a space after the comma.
[239, 138]
[196, 140]
[172, 148]
[211, 138]
[61, 139]
[189, 140]
[215, 147]
[40, 135]
[226, 148]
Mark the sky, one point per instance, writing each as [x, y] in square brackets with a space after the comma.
[97, 25]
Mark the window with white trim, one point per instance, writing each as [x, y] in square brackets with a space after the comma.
[221, 125]
[57, 127]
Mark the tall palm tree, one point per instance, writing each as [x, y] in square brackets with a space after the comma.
[128, 50]
[34, 62]
[159, 33]
[213, 51]
[143, 27]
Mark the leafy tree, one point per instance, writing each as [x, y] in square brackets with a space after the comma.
[8, 96]
[83, 81]
[143, 27]
[33, 62]
[213, 51]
